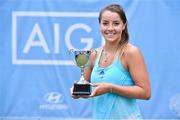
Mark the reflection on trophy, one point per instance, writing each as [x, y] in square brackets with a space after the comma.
[81, 58]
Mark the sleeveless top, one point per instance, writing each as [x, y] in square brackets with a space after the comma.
[110, 105]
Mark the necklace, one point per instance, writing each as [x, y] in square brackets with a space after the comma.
[107, 57]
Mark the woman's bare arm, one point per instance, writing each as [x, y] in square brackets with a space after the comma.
[137, 68]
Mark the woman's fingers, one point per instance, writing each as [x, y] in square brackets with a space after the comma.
[95, 84]
[73, 96]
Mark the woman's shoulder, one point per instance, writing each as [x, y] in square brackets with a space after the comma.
[95, 52]
[132, 53]
[131, 50]
[98, 49]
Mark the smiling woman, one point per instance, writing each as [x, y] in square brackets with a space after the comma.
[117, 72]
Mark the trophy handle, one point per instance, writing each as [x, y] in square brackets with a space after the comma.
[93, 50]
[71, 51]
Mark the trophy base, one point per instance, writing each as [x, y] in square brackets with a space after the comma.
[81, 89]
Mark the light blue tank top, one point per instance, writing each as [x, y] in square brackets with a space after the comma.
[109, 105]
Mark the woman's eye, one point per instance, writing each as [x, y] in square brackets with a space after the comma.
[116, 24]
[105, 24]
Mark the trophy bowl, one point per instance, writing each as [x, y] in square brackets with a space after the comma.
[82, 59]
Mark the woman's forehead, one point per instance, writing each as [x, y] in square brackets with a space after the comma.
[109, 15]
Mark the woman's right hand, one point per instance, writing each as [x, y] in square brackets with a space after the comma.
[73, 96]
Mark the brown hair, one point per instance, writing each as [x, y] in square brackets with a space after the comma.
[119, 10]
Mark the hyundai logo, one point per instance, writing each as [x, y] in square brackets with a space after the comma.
[53, 97]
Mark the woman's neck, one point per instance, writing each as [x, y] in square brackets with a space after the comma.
[110, 47]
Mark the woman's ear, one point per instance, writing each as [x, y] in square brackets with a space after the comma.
[124, 26]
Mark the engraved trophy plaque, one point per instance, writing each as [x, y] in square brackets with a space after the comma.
[81, 58]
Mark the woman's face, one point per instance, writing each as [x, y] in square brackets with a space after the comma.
[111, 26]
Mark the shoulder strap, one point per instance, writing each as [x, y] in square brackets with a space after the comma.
[98, 57]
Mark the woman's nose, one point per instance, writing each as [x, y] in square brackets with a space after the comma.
[110, 27]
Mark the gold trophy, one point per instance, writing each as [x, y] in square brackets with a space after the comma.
[81, 58]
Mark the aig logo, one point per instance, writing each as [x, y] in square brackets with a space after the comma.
[43, 38]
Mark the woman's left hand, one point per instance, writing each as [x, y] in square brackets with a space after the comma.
[101, 88]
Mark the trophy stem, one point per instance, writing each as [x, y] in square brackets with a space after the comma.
[82, 79]
[82, 71]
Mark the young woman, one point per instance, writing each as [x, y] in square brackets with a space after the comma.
[117, 71]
